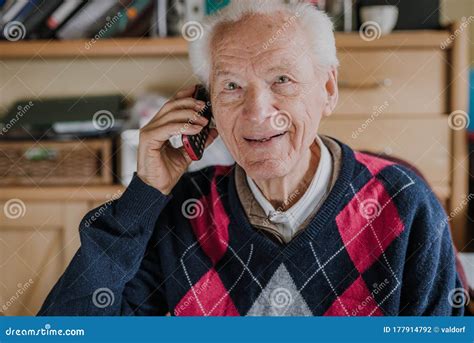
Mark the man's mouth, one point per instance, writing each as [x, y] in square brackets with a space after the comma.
[266, 138]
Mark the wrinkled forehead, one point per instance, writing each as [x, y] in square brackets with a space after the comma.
[258, 41]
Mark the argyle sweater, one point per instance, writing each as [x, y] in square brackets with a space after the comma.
[379, 245]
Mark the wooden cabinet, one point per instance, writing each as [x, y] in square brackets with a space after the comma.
[38, 238]
[409, 80]
[406, 95]
[402, 138]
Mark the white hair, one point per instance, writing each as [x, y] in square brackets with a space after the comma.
[313, 21]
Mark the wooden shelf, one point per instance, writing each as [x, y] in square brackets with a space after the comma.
[85, 48]
[431, 39]
[156, 47]
[60, 193]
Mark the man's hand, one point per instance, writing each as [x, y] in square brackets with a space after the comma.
[159, 164]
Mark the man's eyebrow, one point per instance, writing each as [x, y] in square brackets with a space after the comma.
[283, 66]
[222, 72]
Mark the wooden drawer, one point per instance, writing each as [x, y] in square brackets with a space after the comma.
[409, 81]
[424, 142]
[37, 241]
[25, 213]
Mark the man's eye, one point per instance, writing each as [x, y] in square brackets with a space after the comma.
[283, 79]
[230, 86]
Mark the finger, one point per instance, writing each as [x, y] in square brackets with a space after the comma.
[185, 92]
[182, 116]
[175, 105]
[184, 122]
[163, 133]
[182, 104]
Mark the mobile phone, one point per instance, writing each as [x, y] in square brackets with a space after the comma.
[194, 144]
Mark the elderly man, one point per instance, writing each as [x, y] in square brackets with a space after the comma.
[300, 225]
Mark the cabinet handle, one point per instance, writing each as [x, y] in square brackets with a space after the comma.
[365, 85]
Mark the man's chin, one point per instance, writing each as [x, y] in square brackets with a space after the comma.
[266, 169]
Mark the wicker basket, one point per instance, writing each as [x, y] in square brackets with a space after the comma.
[87, 162]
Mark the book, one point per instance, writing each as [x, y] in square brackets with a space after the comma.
[79, 25]
[107, 18]
[59, 18]
[125, 17]
[15, 29]
[141, 26]
[159, 26]
[38, 16]
[12, 11]
[61, 13]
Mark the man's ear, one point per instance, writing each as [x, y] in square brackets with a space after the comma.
[332, 92]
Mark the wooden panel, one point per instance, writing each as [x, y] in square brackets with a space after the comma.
[138, 47]
[102, 48]
[406, 81]
[93, 193]
[23, 213]
[459, 98]
[424, 39]
[34, 254]
[423, 142]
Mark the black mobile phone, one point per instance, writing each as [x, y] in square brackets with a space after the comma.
[194, 144]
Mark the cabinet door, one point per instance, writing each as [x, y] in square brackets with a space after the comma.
[37, 241]
[423, 141]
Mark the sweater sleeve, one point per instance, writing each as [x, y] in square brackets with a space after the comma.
[112, 273]
[431, 284]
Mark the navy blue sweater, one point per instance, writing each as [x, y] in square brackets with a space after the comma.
[379, 245]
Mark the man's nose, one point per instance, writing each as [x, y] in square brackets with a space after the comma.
[258, 105]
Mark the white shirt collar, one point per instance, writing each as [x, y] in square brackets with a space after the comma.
[288, 221]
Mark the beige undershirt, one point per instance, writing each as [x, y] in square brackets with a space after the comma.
[256, 214]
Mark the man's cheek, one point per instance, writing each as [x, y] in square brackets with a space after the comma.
[226, 131]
